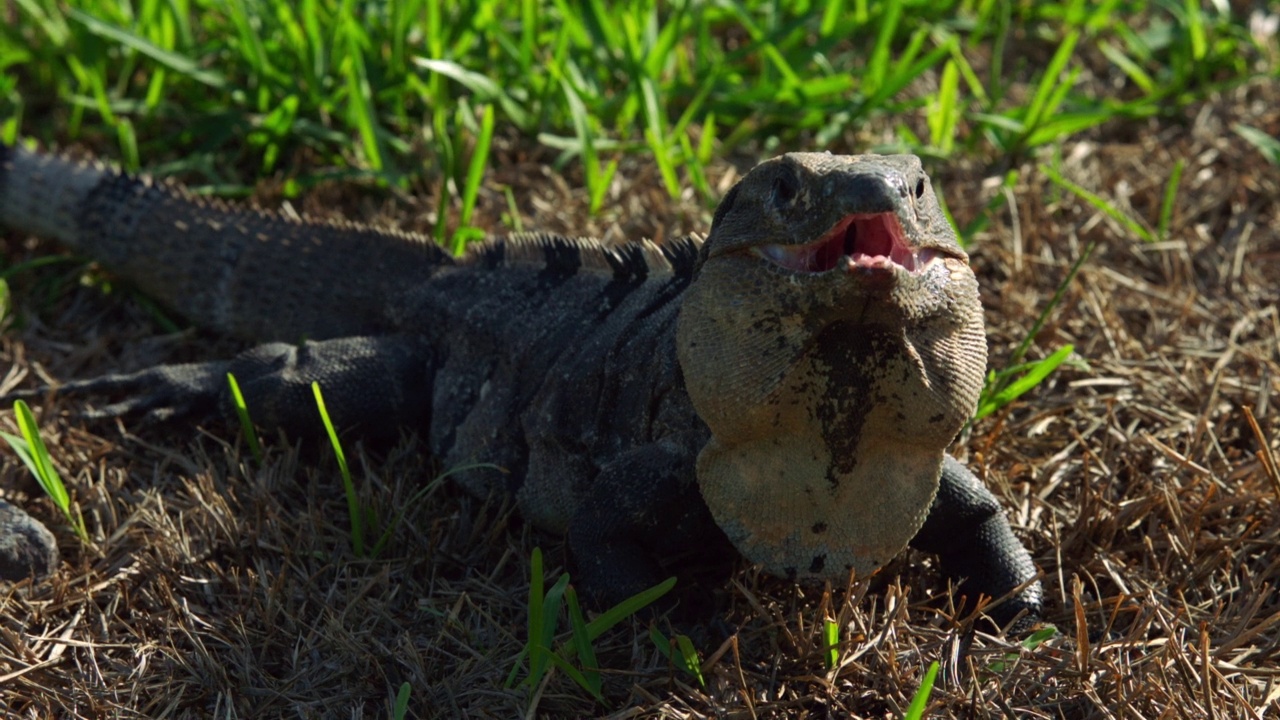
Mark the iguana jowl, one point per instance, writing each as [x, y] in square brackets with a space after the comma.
[791, 382]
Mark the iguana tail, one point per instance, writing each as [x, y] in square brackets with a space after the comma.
[253, 274]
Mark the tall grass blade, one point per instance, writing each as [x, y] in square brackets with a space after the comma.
[582, 642]
[1265, 143]
[878, 67]
[246, 425]
[915, 711]
[1032, 375]
[171, 60]
[1170, 197]
[1021, 351]
[475, 174]
[628, 607]
[31, 449]
[354, 510]
[1098, 202]
[1042, 102]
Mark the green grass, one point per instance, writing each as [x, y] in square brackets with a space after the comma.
[359, 513]
[246, 423]
[920, 701]
[543, 618]
[394, 92]
[31, 449]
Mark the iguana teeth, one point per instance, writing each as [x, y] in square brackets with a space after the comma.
[866, 241]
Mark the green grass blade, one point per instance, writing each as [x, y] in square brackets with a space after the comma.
[1098, 202]
[360, 103]
[38, 454]
[246, 425]
[35, 455]
[551, 605]
[532, 650]
[446, 159]
[1266, 144]
[400, 710]
[1031, 642]
[1058, 294]
[485, 88]
[1130, 68]
[582, 643]
[628, 607]
[944, 110]
[353, 501]
[915, 711]
[171, 60]
[1033, 376]
[574, 675]
[689, 657]
[831, 15]
[475, 174]
[680, 652]
[1170, 197]
[1195, 29]
[831, 638]
[878, 67]
[597, 179]
[1050, 81]
[656, 137]
[1064, 125]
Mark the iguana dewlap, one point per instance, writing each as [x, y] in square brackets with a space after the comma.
[790, 383]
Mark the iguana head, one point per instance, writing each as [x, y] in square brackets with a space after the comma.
[832, 340]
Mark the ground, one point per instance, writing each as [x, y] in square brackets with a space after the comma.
[215, 586]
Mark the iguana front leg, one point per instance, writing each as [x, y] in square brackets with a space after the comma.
[971, 536]
[372, 386]
[642, 505]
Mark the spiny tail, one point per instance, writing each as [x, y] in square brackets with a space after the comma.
[249, 273]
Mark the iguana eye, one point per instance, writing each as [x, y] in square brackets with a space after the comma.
[784, 192]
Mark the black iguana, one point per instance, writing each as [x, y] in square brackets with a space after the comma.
[791, 382]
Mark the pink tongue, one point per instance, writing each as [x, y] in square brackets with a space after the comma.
[870, 237]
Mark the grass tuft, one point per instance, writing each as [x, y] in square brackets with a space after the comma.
[31, 449]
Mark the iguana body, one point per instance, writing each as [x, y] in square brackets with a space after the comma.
[791, 383]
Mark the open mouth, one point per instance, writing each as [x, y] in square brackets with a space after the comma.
[858, 241]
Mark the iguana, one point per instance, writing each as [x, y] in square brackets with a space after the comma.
[789, 383]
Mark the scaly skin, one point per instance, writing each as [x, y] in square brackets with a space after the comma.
[789, 385]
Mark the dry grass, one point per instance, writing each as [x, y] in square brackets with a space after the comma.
[218, 588]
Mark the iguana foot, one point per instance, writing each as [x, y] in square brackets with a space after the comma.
[971, 535]
[643, 505]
